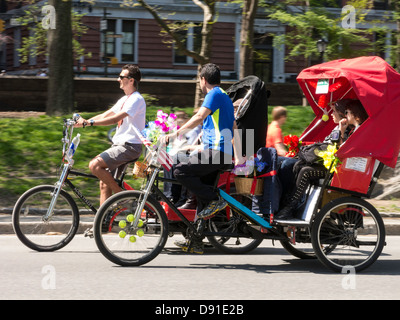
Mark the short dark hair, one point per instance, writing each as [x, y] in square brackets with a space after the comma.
[357, 110]
[134, 72]
[211, 73]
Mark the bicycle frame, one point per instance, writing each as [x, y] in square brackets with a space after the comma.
[266, 230]
[67, 137]
[67, 170]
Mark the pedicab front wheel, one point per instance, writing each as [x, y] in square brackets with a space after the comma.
[354, 230]
[128, 240]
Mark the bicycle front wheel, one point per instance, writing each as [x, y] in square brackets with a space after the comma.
[127, 241]
[42, 234]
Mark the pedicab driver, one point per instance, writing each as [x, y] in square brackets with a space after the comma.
[128, 112]
[199, 172]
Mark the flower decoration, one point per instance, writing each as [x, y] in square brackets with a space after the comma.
[335, 86]
[293, 143]
[165, 123]
[250, 167]
[329, 158]
[323, 101]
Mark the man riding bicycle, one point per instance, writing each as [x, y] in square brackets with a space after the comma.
[128, 112]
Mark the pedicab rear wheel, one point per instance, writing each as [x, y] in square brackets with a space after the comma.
[355, 231]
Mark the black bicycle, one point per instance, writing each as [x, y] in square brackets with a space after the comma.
[46, 217]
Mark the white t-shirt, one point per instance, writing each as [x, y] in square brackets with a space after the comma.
[135, 106]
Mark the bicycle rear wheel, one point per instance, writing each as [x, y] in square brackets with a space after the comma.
[36, 232]
[122, 239]
[355, 231]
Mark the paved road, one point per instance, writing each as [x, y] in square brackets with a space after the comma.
[79, 271]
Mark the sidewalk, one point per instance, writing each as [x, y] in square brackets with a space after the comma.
[85, 221]
[391, 220]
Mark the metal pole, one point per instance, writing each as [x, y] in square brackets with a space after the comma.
[105, 44]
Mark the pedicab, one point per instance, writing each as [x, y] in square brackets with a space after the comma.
[343, 230]
[346, 230]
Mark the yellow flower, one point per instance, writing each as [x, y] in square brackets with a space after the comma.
[329, 156]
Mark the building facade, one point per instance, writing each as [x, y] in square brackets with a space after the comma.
[129, 34]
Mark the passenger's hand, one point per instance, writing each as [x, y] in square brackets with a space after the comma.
[343, 124]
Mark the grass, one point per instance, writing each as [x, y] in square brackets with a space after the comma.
[30, 150]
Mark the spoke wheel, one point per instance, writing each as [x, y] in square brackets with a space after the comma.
[354, 230]
[42, 234]
[124, 239]
[234, 225]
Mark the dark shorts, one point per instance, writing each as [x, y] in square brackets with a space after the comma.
[118, 155]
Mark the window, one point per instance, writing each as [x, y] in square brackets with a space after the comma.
[263, 57]
[128, 43]
[381, 4]
[111, 30]
[121, 40]
[192, 41]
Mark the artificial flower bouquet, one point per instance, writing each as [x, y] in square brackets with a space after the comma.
[329, 158]
[249, 168]
[165, 123]
[293, 144]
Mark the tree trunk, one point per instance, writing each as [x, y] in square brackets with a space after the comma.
[60, 89]
[206, 43]
[246, 54]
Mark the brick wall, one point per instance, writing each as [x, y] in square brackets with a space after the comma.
[22, 93]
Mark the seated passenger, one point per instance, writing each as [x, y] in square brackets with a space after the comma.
[355, 115]
[348, 115]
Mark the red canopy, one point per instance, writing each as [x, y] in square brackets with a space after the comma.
[376, 84]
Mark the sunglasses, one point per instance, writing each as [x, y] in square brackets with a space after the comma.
[124, 77]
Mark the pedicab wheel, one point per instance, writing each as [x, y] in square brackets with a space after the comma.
[124, 239]
[302, 248]
[235, 224]
[353, 229]
[302, 251]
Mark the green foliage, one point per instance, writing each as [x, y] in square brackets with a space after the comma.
[31, 150]
[36, 43]
[309, 24]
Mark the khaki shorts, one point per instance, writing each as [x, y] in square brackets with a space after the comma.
[118, 155]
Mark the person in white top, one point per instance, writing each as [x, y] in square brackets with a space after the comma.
[128, 112]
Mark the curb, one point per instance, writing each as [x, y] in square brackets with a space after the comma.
[7, 228]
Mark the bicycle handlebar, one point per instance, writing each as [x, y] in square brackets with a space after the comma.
[68, 128]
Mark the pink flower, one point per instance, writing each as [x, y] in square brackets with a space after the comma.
[164, 127]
